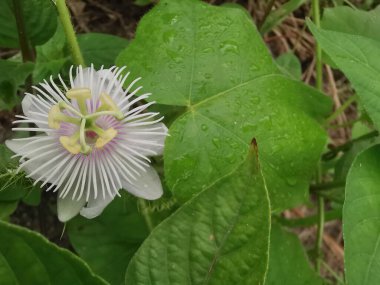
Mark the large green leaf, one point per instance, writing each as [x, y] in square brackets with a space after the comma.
[108, 242]
[362, 23]
[101, 49]
[361, 219]
[51, 56]
[28, 258]
[212, 60]
[40, 19]
[221, 236]
[12, 76]
[356, 54]
[288, 263]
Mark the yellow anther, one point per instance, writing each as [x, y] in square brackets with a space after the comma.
[53, 117]
[81, 95]
[109, 105]
[71, 144]
[105, 137]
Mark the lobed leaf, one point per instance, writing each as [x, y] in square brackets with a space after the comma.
[213, 61]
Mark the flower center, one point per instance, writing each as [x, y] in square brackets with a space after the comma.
[89, 135]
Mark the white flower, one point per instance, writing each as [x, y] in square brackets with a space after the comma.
[94, 139]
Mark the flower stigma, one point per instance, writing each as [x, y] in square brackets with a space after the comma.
[89, 134]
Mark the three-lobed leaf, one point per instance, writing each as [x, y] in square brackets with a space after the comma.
[213, 61]
[221, 236]
[361, 219]
[28, 258]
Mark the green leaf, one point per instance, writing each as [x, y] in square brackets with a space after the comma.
[212, 60]
[277, 16]
[51, 56]
[27, 258]
[361, 219]
[290, 65]
[101, 49]
[6, 209]
[40, 19]
[221, 236]
[362, 23]
[357, 57]
[288, 263]
[12, 75]
[108, 242]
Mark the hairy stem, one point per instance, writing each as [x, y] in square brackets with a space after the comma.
[64, 16]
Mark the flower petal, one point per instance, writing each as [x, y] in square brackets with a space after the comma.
[68, 208]
[148, 185]
[96, 206]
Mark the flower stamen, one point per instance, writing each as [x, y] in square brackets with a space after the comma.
[71, 143]
[85, 148]
[109, 105]
[80, 95]
[55, 117]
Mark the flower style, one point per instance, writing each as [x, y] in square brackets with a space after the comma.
[94, 139]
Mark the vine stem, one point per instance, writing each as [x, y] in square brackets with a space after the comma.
[64, 16]
[145, 212]
[321, 201]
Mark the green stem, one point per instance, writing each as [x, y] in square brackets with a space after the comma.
[320, 227]
[341, 109]
[327, 186]
[346, 146]
[64, 16]
[309, 221]
[319, 82]
[145, 212]
[267, 11]
[318, 50]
